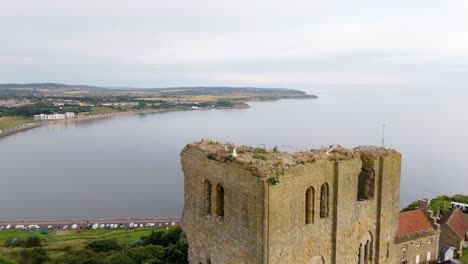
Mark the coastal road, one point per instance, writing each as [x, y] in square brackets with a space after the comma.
[86, 222]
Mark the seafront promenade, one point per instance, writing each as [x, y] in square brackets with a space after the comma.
[88, 223]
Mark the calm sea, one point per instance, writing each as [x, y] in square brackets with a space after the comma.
[129, 166]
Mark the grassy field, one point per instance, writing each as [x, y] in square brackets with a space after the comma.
[202, 98]
[124, 235]
[101, 110]
[59, 241]
[62, 242]
[464, 258]
[13, 121]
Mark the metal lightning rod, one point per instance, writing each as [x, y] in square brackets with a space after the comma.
[383, 134]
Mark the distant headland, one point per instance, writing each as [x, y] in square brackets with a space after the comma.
[26, 106]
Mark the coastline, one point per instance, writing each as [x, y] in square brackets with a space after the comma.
[89, 220]
[13, 131]
[19, 129]
[237, 105]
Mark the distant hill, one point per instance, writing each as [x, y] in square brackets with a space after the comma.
[44, 86]
[58, 89]
[171, 90]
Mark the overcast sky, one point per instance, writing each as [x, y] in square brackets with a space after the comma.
[312, 45]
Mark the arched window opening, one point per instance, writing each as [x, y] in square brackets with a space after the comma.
[219, 200]
[365, 249]
[309, 205]
[324, 200]
[360, 254]
[366, 183]
[364, 253]
[207, 192]
[367, 252]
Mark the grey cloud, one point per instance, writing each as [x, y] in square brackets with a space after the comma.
[337, 44]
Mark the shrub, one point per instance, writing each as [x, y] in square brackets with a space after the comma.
[14, 242]
[79, 257]
[30, 256]
[177, 253]
[120, 258]
[105, 245]
[145, 253]
[259, 156]
[6, 260]
[274, 180]
[32, 241]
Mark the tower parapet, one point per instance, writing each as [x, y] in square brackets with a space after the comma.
[332, 205]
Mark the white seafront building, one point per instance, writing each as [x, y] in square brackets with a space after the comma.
[43, 117]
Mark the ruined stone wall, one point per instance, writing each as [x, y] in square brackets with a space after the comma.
[291, 240]
[409, 250]
[351, 223]
[389, 206]
[356, 219]
[266, 223]
[238, 236]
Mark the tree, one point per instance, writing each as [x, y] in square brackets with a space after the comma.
[459, 198]
[120, 258]
[141, 105]
[178, 253]
[412, 206]
[166, 238]
[440, 204]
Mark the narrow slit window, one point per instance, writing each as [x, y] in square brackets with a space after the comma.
[219, 200]
[207, 192]
[324, 201]
[309, 205]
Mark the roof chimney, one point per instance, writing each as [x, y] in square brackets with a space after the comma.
[423, 205]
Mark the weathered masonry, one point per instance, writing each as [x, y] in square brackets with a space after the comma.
[323, 206]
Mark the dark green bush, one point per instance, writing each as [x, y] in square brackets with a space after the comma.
[142, 254]
[31, 241]
[30, 256]
[259, 156]
[105, 245]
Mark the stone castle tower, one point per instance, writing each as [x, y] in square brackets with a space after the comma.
[322, 206]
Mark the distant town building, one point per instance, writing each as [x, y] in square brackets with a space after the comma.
[15, 103]
[62, 102]
[331, 205]
[43, 117]
[417, 237]
[454, 229]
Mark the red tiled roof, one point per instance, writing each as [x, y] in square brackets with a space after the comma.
[457, 221]
[412, 222]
